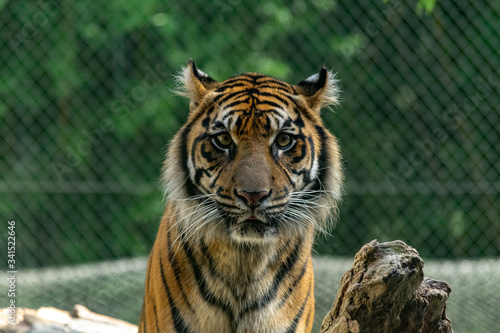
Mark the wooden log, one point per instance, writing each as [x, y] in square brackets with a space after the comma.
[385, 291]
[52, 320]
[426, 311]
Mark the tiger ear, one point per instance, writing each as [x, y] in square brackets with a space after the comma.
[194, 83]
[320, 90]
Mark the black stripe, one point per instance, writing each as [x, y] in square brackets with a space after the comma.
[177, 271]
[308, 319]
[323, 159]
[206, 122]
[302, 111]
[211, 261]
[212, 183]
[285, 171]
[223, 196]
[224, 97]
[278, 97]
[208, 155]
[207, 295]
[276, 82]
[247, 110]
[278, 278]
[199, 172]
[245, 126]
[206, 253]
[276, 113]
[294, 284]
[270, 103]
[179, 324]
[191, 188]
[227, 86]
[215, 166]
[213, 270]
[246, 100]
[284, 89]
[274, 259]
[287, 193]
[236, 79]
[298, 121]
[156, 318]
[305, 173]
[232, 112]
[293, 326]
[303, 153]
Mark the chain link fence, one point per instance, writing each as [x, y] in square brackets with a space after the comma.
[87, 108]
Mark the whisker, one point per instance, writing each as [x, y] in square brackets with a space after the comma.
[194, 197]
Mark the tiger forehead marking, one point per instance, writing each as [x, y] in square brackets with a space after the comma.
[250, 178]
[250, 101]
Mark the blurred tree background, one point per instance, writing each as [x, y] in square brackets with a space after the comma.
[87, 109]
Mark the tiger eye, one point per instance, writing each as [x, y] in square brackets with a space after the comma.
[283, 140]
[224, 139]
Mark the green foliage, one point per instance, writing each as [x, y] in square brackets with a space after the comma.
[426, 6]
[87, 109]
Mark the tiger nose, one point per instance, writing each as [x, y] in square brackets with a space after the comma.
[253, 198]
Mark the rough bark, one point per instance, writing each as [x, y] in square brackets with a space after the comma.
[385, 291]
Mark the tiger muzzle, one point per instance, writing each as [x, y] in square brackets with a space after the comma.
[252, 177]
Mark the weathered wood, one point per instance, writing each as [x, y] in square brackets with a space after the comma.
[426, 311]
[385, 291]
[52, 320]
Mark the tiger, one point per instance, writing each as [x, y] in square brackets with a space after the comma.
[249, 179]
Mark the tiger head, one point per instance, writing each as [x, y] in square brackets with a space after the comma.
[254, 161]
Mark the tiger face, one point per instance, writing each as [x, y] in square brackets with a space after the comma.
[254, 161]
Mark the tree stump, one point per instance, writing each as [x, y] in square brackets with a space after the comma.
[385, 291]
